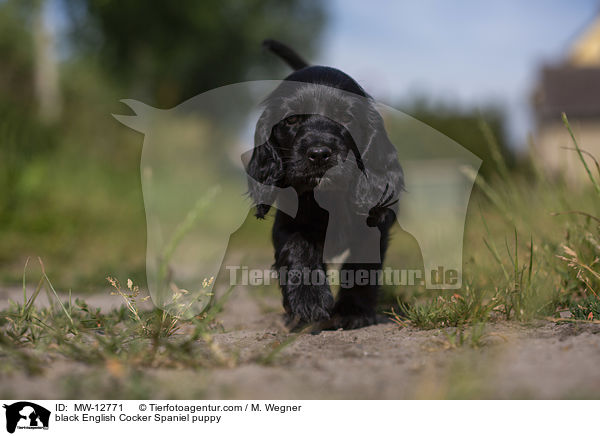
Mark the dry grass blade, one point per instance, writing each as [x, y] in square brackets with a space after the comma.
[588, 154]
[576, 212]
[62, 306]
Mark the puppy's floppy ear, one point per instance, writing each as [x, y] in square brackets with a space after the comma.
[381, 167]
[265, 167]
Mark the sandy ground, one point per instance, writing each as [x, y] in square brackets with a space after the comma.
[541, 360]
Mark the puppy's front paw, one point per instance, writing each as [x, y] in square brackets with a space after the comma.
[351, 322]
[308, 305]
[352, 313]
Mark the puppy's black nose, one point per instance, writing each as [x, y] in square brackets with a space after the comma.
[318, 154]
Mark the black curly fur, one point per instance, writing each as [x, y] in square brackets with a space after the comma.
[281, 161]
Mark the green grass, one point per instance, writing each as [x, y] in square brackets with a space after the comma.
[81, 333]
[531, 252]
[129, 339]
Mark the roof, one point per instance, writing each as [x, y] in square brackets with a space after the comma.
[585, 50]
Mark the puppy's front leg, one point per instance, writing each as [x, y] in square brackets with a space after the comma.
[356, 302]
[302, 274]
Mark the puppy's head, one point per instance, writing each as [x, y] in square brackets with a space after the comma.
[310, 145]
[310, 124]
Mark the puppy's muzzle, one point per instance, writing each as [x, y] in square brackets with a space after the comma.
[319, 155]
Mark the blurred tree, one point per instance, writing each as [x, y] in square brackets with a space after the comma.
[22, 137]
[465, 126]
[165, 52]
[16, 52]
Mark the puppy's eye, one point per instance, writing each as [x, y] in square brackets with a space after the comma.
[294, 119]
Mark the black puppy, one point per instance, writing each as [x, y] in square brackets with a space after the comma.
[303, 139]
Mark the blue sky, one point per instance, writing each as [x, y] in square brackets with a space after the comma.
[467, 52]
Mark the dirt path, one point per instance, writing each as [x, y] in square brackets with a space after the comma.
[544, 360]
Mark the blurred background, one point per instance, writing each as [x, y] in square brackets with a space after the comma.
[70, 188]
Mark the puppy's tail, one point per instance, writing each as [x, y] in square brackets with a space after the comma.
[284, 52]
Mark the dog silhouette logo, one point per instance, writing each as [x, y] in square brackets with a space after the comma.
[26, 415]
[198, 184]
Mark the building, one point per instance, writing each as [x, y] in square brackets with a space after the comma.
[571, 86]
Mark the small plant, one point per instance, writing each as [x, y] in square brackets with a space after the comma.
[587, 309]
[130, 336]
[457, 310]
[473, 337]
